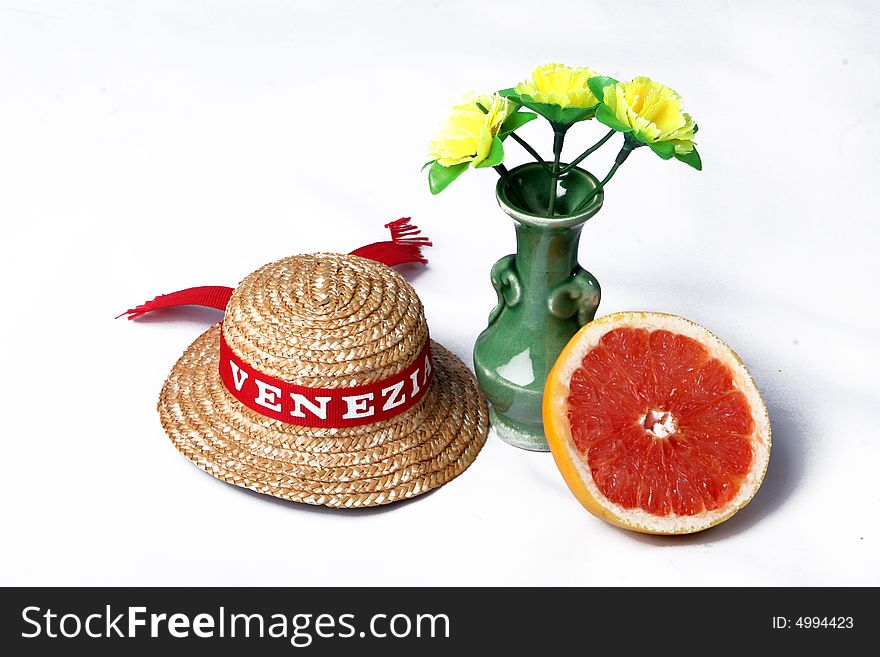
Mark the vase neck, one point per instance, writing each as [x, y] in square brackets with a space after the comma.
[546, 256]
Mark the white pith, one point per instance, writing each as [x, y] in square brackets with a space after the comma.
[658, 423]
[587, 339]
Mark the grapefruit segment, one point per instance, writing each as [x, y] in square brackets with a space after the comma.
[656, 424]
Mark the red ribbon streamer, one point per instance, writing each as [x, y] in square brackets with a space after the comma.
[404, 247]
[210, 296]
[326, 407]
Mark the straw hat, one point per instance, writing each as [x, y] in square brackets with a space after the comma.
[333, 324]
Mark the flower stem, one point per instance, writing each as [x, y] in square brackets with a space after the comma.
[513, 191]
[522, 142]
[620, 159]
[558, 140]
[580, 158]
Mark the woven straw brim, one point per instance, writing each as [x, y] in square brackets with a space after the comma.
[369, 465]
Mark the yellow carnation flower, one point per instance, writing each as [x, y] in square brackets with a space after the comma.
[466, 135]
[557, 84]
[653, 111]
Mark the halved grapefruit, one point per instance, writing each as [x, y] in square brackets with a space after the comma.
[655, 424]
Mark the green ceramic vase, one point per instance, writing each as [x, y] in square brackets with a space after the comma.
[544, 297]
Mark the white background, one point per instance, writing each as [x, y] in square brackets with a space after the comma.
[147, 147]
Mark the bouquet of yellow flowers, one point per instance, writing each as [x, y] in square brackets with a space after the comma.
[646, 112]
[544, 295]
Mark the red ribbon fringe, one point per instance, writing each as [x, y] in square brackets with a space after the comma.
[404, 247]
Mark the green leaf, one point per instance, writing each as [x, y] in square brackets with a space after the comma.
[563, 116]
[569, 115]
[495, 157]
[597, 85]
[514, 122]
[606, 116]
[427, 164]
[440, 177]
[691, 159]
[663, 148]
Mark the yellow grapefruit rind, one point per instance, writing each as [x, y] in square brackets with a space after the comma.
[572, 465]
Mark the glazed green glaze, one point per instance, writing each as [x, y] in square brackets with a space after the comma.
[544, 297]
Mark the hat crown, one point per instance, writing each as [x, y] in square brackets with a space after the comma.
[326, 320]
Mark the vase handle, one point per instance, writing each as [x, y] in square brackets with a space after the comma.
[508, 287]
[579, 296]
